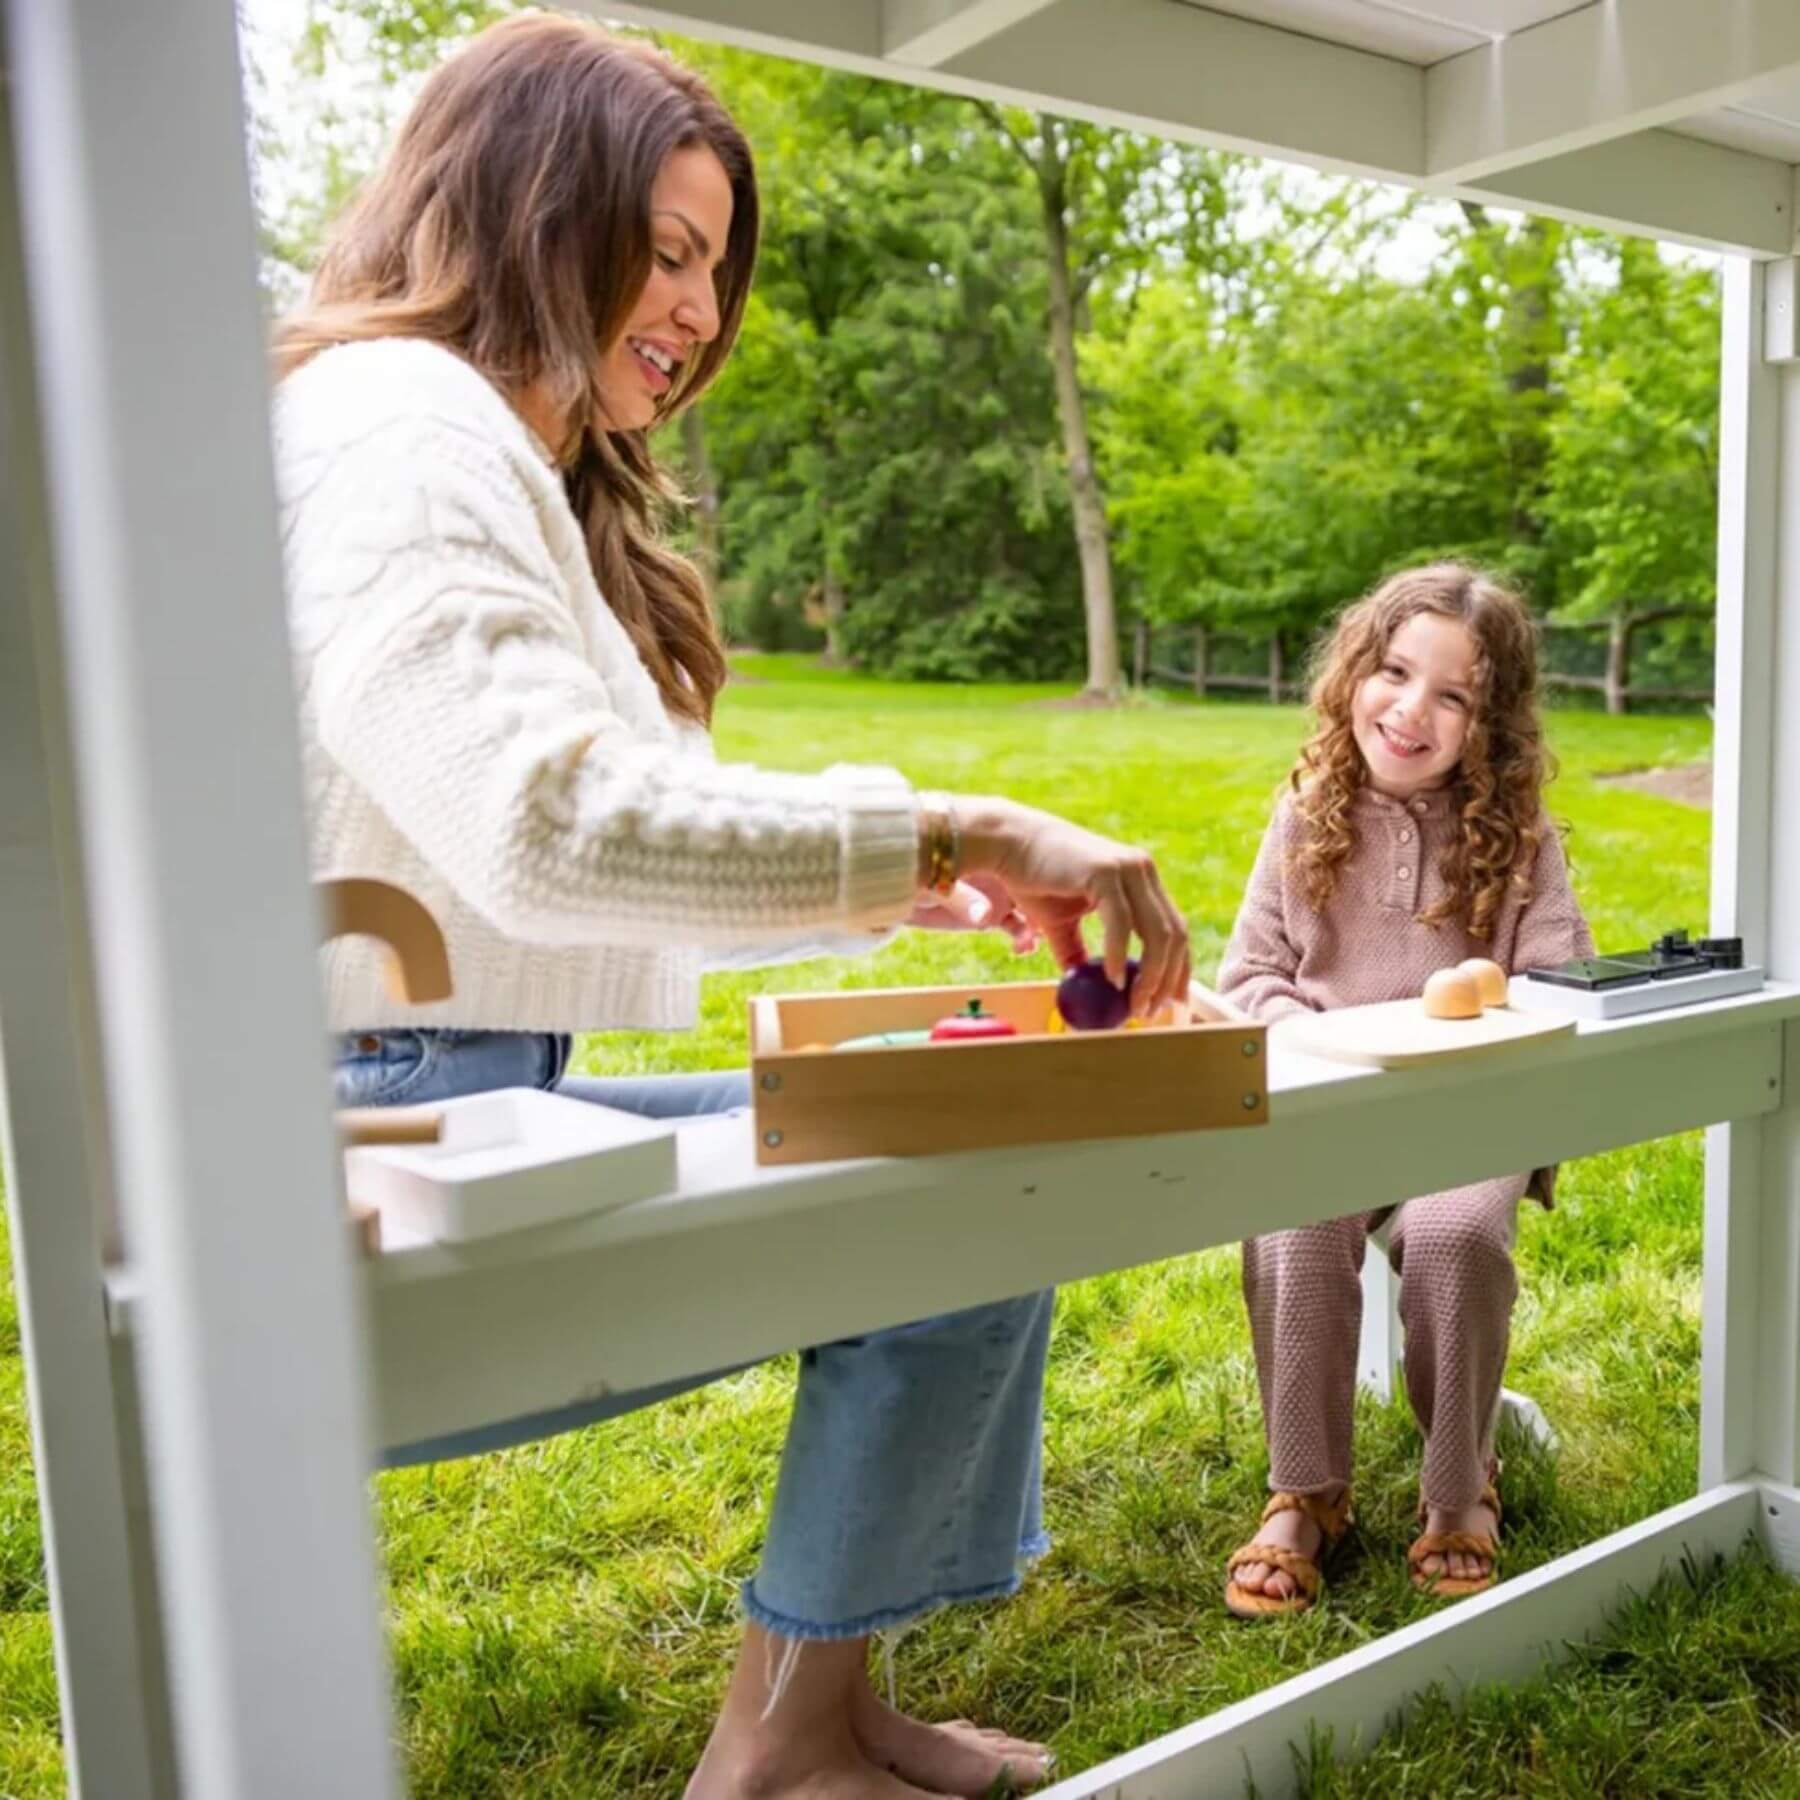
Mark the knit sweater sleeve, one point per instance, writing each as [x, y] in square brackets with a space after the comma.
[1551, 927]
[1260, 970]
[448, 674]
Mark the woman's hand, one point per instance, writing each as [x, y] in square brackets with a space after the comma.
[977, 903]
[1057, 873]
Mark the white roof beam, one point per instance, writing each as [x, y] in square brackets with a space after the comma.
[1181, 72]
[1658, 185]
[841, 34]
[1604, 72]
[927, 33]
[1150, 65]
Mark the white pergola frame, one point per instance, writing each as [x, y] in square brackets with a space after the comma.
[174, 1201]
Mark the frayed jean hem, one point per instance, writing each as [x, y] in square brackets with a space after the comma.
[893, 1617]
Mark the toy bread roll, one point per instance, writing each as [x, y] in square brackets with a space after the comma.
[1452, 994]
[1489, 979]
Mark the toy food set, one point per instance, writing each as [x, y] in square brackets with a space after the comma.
[924, 1071]
[1672, 972]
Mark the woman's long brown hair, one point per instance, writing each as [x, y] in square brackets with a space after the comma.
[1497, 785]
[511, 224]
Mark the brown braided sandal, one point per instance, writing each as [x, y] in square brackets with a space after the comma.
[1469, 1543]
[1333, 1518]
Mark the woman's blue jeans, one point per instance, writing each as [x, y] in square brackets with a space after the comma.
[911, 1475]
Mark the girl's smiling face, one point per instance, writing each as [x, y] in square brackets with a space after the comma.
[1411, 716]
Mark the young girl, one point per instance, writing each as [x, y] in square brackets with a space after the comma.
[1414, 836]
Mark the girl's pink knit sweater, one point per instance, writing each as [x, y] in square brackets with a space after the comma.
[1368, 945]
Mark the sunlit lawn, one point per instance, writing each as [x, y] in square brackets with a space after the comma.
[563, 1615]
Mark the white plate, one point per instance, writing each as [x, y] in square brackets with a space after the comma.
[1397, 1034]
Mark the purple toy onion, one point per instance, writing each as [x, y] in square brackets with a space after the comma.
[1088, 1001]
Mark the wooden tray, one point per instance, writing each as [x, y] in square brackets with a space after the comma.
[1397, 1034]
[1039, 1087]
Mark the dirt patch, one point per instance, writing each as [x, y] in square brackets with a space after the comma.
[1689, 783]
[1085, 701]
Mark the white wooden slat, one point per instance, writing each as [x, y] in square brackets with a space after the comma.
[1602, 72]
[150, 359]
[1389, 30]
[1494, 18]
[1506, 1634]
[1743, 128]
[743, 1262]
[57, 1179]
[927, 33]
[1778, 1518]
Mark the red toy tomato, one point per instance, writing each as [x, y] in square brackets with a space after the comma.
[970, 1023]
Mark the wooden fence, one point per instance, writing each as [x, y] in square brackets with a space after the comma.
[1154, 651]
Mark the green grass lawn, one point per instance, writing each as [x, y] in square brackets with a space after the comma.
[562, 1615]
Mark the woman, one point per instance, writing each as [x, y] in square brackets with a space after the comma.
[506, 683]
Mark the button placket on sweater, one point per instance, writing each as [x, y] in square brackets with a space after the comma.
[1406, 867]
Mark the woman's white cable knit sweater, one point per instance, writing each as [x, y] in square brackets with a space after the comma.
[478, 728]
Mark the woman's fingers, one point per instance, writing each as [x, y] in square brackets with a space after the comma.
[1117, 921]
[1058, 872]
[1162, 969]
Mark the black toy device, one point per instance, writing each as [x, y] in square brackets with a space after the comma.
[1674, 971]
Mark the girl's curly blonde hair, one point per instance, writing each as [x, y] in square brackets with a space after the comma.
[1496, 788]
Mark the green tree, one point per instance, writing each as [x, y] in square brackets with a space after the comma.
[1112, 206]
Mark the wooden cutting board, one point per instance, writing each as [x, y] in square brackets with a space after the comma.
[1397, 1034]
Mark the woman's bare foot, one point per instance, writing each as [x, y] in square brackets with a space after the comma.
[1290, 1530]
[958, 1758]
[1460, 1565]
[836, 1770]
[785, 1732]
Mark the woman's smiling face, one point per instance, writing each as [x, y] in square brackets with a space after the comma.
[678, 311]
[1411, 717]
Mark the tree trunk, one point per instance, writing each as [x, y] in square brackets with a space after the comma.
[705, 488]
[1140, 654]
[1618, 664]
[834, 617]
[1200, 661]
[1276, 669]
[1088, 503]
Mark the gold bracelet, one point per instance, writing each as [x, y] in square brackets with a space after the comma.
[941, 842]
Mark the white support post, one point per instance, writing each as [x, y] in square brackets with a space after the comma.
[149, 354]
[1750, 1374]
[114, 1728]
[1743, 713]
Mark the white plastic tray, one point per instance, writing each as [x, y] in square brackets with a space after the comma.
[510, 1159]
[1641, 997]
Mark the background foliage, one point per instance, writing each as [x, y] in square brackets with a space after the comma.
[1287, 385]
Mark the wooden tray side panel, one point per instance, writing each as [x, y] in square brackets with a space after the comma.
[931, 1099]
